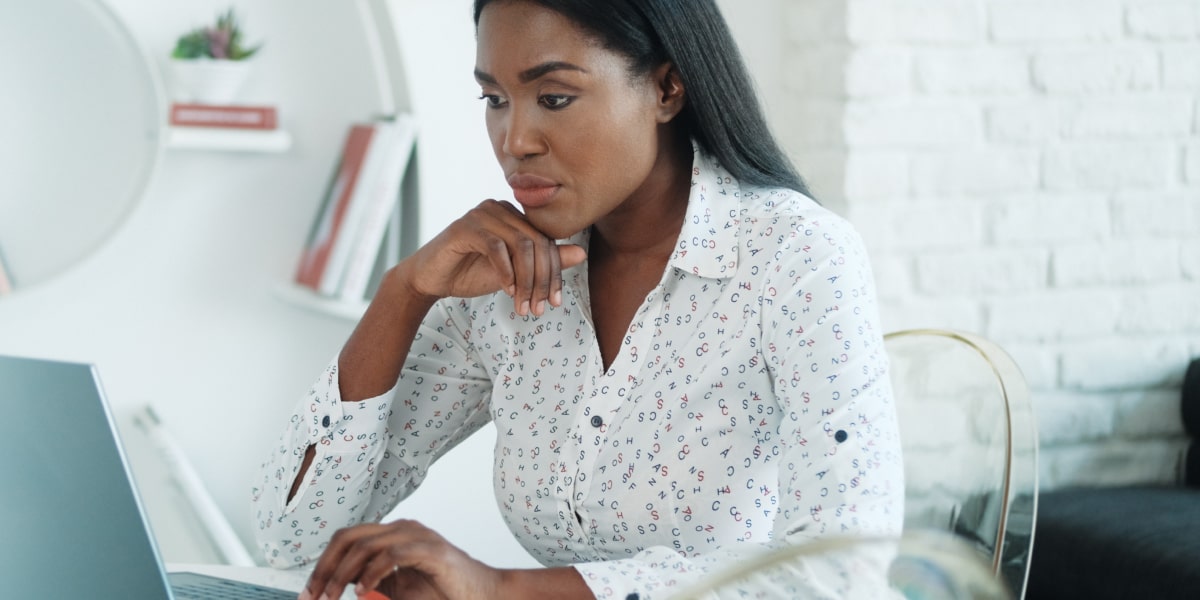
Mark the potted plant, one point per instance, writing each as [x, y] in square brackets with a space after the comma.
[210, 64]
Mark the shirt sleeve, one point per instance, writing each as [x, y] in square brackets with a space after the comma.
[841, 473]
[372, 454]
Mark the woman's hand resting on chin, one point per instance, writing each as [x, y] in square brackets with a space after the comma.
[492, 248]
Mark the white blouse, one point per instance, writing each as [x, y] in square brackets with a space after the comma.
[748, 407]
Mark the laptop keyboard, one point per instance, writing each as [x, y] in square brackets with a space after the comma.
[191, 586]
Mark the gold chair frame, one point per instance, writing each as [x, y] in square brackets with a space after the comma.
[1007, 541]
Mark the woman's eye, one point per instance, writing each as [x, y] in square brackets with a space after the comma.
[492, 100]
[556, 101]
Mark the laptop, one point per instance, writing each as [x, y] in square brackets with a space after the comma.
[71, 522]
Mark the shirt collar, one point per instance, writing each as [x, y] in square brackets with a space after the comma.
[708, 240]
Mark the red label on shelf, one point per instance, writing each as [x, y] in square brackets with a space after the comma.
[235, 117]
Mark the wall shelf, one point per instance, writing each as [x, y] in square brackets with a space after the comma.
[303, 297]
[229, 140]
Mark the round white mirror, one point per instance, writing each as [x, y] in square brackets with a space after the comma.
[80, 132]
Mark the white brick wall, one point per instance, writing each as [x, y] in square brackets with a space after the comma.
[1038, 218]
[976, 172]
[1029, 170]
[1129, 118]
[1109, 165]
[1040, 21]
[1163, 20]
[1190, 257]
[938, 124]
[1192, 164]
[1115, 264]
[1103, 68]
[1181, 66]
[972, 71]
[919, 21]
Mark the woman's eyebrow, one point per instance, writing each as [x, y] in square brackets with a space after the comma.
[482, 77]
[533, 73]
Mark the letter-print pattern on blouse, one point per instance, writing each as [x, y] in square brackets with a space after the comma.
[748, 405]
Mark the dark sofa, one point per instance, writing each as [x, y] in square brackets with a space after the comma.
[1124, 542]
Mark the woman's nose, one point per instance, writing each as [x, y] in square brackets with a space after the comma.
[523, 137]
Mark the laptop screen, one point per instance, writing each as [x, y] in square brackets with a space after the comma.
[71, 524]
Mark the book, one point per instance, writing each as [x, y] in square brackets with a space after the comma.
[381, 201]
[350, 225]
[327, 225]
[6, 281]
[224, 116]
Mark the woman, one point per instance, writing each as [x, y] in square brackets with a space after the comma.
[694, 374]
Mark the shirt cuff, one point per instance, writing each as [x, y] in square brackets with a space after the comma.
[345, 424]
[652, 571]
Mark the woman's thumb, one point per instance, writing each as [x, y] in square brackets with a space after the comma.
[570, 255]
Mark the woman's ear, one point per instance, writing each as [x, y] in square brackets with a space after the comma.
[670, 92]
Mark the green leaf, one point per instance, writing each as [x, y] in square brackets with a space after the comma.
[196, 43]
[239, 53]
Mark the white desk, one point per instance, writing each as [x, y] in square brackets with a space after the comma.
[284, 580]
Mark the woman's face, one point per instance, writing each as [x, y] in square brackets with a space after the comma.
[575, 134]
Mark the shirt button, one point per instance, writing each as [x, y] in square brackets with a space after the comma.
[597, 421]
[840, 436]
[325, 421]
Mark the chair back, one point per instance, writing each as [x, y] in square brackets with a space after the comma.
[970, 445]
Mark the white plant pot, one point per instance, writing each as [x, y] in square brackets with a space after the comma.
[208, 81]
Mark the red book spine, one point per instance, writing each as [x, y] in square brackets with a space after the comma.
[333, 208]
[6, 286]
[233, 117]
[6, 282]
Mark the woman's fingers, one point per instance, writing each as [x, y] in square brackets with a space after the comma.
[351, 552]
[494, 247]
[528, 254]
[409, 584]
[380, 567]
[548, 276]
[402, 559]
[356, 559]
[536, 261]
[554, 278]
[387, 572]
[368, 555]
[500, 259]
[524, 261]
[324, 575]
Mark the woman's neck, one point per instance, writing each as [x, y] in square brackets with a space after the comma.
[648, 223]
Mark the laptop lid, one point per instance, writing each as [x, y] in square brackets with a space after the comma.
[71, 524]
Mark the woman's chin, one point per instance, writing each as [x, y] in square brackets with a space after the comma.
[553, 227]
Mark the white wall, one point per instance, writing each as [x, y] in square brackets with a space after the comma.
[1029, 170]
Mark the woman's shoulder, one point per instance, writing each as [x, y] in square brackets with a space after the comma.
[788, 216]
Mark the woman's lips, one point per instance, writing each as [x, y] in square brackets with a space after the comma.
[532, 191]
[534, 197]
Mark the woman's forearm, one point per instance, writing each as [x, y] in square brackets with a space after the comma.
[370, 362]
[372, 358]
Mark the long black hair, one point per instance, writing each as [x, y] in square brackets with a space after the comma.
[721, 111]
